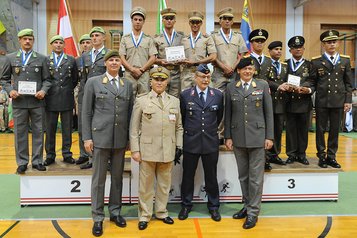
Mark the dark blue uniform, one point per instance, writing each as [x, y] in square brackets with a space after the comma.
[200, 122]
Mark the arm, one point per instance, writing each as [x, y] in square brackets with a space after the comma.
[135, 126]
[46, 80]
[74, 74]
[179, 129]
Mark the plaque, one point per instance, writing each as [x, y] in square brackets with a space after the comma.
[294, 80]
[28, 88]
[175, 53]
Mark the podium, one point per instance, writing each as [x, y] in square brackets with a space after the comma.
[68, 184]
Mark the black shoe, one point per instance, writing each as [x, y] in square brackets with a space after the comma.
[167, 220]
[87, 165]
[183, 215]
[241, 214]
[82, 160]
[215, 215]
[290, 160]
[39, 167]
[142, 225]
[250, 222]
[97, 229]
[21, 169]
[322, 163]
[276, 160]
[69, 160]
[333, 163]
[303, 160]
[118, 220]
[267, 166]
[48, 161]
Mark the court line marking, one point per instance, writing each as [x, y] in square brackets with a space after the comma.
[59, 229]
[327, 228]
[9, 229]
[197, 227]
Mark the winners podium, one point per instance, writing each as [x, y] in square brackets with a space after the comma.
[68, 184]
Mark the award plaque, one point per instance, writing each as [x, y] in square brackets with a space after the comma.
[294, 80]
[28, 88]
[175, 53]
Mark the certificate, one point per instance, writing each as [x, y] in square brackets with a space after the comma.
[294, 80]
[27, 87]
[175, 53]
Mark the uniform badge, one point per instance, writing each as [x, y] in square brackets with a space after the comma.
[17, 70]
[121, 82]
[257, 104]
[257, 92]
[105, 80]
[238, 84]
[254, 85]
[149, 116]
[37, 70]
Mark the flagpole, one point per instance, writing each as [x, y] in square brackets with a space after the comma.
[251, 14]
[73, 30]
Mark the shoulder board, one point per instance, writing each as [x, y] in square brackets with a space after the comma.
[127, 35]
[246, 56]
[180, 32]
[157, 35]
[268, 56]
[345, 56]
[316, 57]
[147, 35]
[214, 32]
[307, 60]
[206, 35]
[283, 62]
[237, 32]
[142, 94]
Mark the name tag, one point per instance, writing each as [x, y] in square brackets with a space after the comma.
[172, 117]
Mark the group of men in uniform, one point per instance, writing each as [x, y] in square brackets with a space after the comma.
[258, 99]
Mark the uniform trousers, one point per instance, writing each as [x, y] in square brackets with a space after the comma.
[220, 81]
[140, 85]
[209, 162]
[22, 118]
[297, 133]
[82, 151]
[174, 85]
[148, 173]
[278, 131]
[323, 116]
[250, 162]
[66, 131]
[101, 157]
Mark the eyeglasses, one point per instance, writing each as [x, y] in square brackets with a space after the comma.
[193, 22]
[169, 18]
[227, 18]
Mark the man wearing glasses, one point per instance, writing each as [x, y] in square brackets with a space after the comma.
[199, 49]
[202, 111]
[169, 37]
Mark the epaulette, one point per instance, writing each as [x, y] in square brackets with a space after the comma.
[246, 56]
[213, 32]
[127, 35]
[157, 35]
[316, 57]
[237, 32]
[142, 94]
[283, 62]
[345, 56]
[206, 35]
[268, 56]
[180, 32]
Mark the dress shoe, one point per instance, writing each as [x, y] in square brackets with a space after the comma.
[82, 160]
[39, 167]
[290, 160]
[322, 163]
[267, 166]
[118, 220]
[333, 163]
[21, 169]
[215, 215]
[241, 214]
[48, 161]
[167, 220]
[87, 165]
[250, 222]
[302, 160]
[97, 229]
[183, 215]
[276, 160]
[69, 160]
[142, 225]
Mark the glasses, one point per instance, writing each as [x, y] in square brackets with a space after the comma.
[227, 18]
[193, 22]
[169, 18]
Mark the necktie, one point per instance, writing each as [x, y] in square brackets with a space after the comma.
[260, 59]
[297, 63]
[246, 86]
[202, 98]
[159, 98]
[276, 63]
[332, 58]
[114, 83]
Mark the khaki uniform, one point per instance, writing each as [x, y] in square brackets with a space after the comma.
[227, 54]
[174, 86]
[204, 46]
[137, 57]
[155, 132]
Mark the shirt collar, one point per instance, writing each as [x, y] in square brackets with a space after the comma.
[204, 91]
[111, 77]
[163, 95]
[99, 50]
[243, 82]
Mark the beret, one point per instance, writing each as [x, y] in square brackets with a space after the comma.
[84, 37]
[56, 37]
[25, 32]
[97, 29]
[110, 54]
[244, 62]
[275, 44]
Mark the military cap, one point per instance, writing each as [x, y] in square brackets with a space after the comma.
[97, 29]
[195, 15]
[329, 35]
[225, 12]
[25, 32]
[168, 12]
[275, 44]
[296, 42]
[203, 68]
[244, 62]
[138, 11]
[159, 72]
[56, 37]
[258, 34]
[110, 54]
[84, 37]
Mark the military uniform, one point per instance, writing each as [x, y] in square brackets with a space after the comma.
[332, 82]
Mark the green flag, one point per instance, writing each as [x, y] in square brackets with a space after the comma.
[2, 28]
[162, 5]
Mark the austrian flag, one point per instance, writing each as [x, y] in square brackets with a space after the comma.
[64, 29]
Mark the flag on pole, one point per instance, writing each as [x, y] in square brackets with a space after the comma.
[162, 5]
[64, 29]
[245, 26]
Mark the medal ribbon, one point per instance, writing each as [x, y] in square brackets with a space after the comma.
[335, 60]
[57, 62]
[137, 42]
[292, 65]
[224, 36]
[278, 69]
[94, 56]
[193, 41]
[171, 40]
[25, 59]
